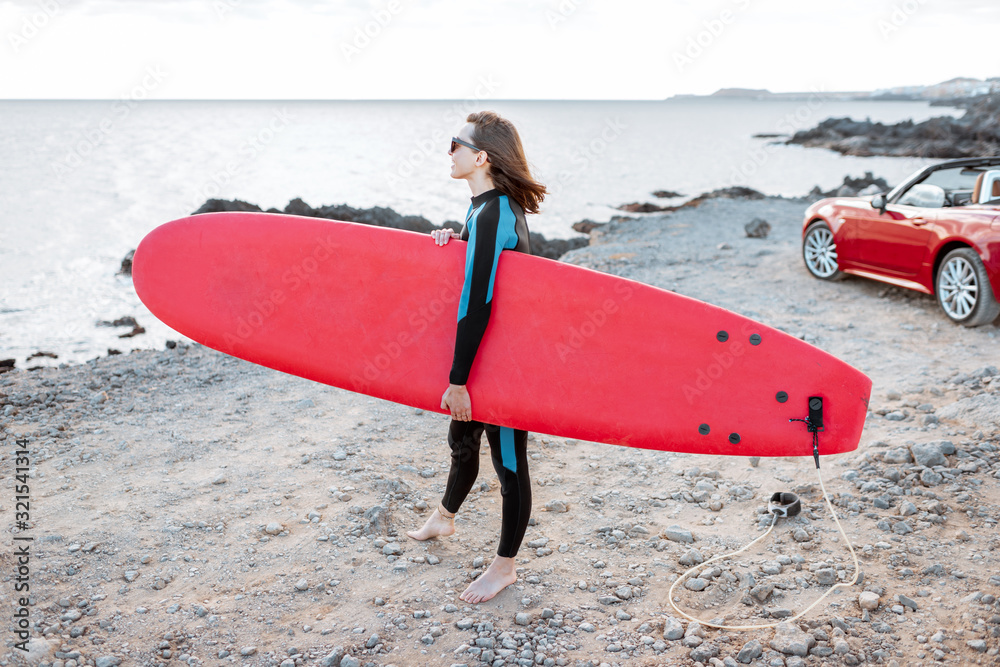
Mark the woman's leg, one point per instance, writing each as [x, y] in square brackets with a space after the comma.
[509, 451]
[464, 439]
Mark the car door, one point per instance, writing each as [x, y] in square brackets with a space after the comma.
[896, 241]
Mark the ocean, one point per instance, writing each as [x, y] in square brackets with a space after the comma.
[81, 182]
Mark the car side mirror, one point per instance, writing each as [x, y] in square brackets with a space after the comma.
[878, 201]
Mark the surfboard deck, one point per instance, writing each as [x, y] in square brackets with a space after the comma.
[569, 351]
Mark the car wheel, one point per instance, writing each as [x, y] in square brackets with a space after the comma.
[820, 252]
[963, 289]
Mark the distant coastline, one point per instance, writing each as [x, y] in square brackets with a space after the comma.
[957, 88]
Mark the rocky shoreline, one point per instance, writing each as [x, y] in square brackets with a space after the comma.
[975, 134]
[384, 217]
[189, 507]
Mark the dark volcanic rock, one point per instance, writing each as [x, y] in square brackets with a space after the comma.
[851, 187]
[734, 192]
[555, 248]
[975, 134]
[126, 269]
[666, 194]
[636, 207]
[127, 321]
[221, 205]
[757, 228]
[386, 217]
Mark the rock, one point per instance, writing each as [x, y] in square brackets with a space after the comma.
[522, 618]
[930, 477]
[273, 528]
[39, 650]
[791, 640]
[906, 508]
[302, 585]
[696, 584]
[897, 454]
[386, 217]
[929, 454]
[673, 629]
[972, 135]
[757, 228]
[247, 651]
[691, 558]
[108, 661]
[677, 534]
[666, 194]
[587, 226]
[826, 576]
[868, 601]
[392, 549]
[800, 535]
[704, 652]
[977, 645]
[350, 661]
[126, 266]
[762, 591]
[556, 506]
[750, 652]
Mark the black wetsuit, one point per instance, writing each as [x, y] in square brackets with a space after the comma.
[494, 223]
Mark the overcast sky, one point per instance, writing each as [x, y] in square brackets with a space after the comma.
[502, 49]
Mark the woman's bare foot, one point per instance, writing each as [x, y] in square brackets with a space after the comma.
[437, 525]
[498, 576]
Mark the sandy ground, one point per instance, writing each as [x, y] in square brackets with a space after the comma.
[188, 507]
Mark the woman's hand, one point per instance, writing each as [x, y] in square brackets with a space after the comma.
[442, 236]
[456, 400]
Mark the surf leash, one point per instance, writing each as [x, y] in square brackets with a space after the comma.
[783, 505]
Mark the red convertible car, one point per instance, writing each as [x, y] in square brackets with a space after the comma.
[938, 232]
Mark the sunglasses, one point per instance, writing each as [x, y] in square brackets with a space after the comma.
[456, 140]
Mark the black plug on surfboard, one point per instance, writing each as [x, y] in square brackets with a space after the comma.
[815, 422]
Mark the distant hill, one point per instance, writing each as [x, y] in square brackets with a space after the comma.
[958, 87]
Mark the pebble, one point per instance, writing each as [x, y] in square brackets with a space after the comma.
[673, 629]
[750, 652]
[791, 640]
[930, 454]
[691, 558]
[677, 534]
[868, 601]
[696, 584]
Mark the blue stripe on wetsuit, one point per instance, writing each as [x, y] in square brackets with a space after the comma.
[491, 228]
[507, 449]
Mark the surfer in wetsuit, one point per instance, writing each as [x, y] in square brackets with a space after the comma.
[487, 153]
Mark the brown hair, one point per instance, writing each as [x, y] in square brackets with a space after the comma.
[508, 166]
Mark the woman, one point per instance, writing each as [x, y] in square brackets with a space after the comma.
[487, 153]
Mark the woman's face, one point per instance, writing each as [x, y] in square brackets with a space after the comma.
[463, 159]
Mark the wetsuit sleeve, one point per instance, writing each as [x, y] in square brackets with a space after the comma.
[474, 308]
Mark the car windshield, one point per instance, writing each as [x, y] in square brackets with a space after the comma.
[953, 179]
[956, 182]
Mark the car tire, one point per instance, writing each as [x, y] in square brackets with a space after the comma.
[963, 289]
[819, 252]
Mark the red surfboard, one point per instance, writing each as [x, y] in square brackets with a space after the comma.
[569, 351]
